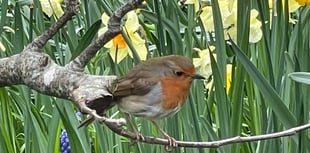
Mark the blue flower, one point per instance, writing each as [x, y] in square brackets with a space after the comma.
[78, 115]
[64, 142]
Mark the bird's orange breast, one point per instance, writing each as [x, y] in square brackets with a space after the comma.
[174, 91]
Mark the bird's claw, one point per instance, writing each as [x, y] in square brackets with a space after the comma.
[172, 142]
[139, 136]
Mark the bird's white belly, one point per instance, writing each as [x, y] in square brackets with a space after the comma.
[148, 106]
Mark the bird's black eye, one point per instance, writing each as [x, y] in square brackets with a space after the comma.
[179, 73]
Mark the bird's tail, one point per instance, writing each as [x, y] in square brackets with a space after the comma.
[101, 106]
[86, 122]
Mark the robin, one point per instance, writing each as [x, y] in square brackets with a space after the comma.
[154, 89]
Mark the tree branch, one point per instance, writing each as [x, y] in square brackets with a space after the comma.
[114, 28]
[38, 71]
[214, 144]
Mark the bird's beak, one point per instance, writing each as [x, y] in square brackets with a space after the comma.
[197, 76]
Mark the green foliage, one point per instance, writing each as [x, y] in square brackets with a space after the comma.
[263, 98]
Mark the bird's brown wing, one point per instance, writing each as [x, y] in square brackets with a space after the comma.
[141, 79]
[134, 85]
[138, 81]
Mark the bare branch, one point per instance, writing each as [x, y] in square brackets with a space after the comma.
[70, 10]
[38, 71]
[213, 144]
[114, 28]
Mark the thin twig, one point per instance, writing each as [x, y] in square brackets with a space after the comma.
[114, 28]
[213, 144]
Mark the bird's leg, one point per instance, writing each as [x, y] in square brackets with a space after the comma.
[170, 139]
[132, 125]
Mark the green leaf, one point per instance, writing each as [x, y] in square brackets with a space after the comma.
[86, 39]
[19, 33]
[220, 40]
[168, 25]
[301, 77]
[221, 99]
[3, 16]
[273, 99]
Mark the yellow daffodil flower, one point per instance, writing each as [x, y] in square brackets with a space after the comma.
[118, 48]
[228, 9]
[203, 64]
[303, 2]
[207, 15]
[228, 77]
[255, 26]
[50, 7]
[292, 7]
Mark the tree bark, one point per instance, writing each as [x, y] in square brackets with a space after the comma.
[35, 69]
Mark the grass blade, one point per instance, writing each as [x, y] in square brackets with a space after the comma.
[274, 100]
